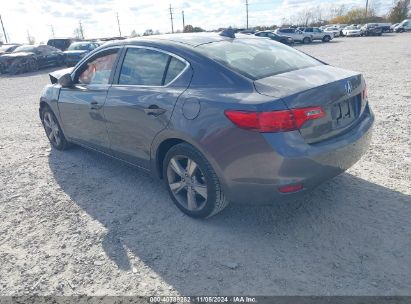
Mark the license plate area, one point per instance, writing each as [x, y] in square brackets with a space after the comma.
[345, 112]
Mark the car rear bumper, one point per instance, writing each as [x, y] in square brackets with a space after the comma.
[290, 161]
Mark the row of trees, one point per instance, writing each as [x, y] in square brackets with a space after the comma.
[341, 14]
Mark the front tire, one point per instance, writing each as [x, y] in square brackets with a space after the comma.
[192, 183]
[53, 130]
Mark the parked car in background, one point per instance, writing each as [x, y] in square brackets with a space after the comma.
[386, 27]
[297, 35]
[333, 30]
[78, 50]
[27, 58]
[403, 26]
[371, 29]
[8, 48]
[276, 124]
[61, 43]
[276, 37]
[392, 27]
[317, 34]
[351, 31]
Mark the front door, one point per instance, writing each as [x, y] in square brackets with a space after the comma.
[81, 107]
[141, 103]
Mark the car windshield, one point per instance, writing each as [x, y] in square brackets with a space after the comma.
[80, 46]
[255, 58]
[5, 48]
[351, 28]
[25, 48]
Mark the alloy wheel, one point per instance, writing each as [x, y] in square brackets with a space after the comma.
[52, 129]
[187, 182]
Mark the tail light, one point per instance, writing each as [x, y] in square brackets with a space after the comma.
[274, 121]
[365, 93]
[290, 188]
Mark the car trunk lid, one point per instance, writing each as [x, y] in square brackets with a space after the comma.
[339, 92]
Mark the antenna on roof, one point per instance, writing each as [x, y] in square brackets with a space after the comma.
[228, 32]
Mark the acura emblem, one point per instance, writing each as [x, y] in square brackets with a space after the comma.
[348, 87]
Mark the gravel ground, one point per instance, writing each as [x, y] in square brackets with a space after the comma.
[76, 222]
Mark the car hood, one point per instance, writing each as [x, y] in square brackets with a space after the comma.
[54, 76]
[15, 55]
[75, 52]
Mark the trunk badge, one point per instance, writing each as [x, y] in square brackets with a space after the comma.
[348, 87]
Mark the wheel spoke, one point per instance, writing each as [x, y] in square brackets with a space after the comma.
[51, 136]
[177, 187]
[56, 137]
[191, 200]
[201, 189]
[47, 122]
[176, 167]
[191, 167]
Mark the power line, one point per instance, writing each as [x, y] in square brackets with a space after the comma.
[118, 22]
[246, 9]
[4, 31]
[182, 12]
[171, 18]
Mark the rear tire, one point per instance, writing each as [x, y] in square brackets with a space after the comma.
[306, 40]
[192, 183]
[326, 39]
[53, 130]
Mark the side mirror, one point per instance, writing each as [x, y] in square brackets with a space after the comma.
[65, 81]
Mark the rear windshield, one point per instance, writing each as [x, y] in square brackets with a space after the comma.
[257, 58]
[25, 48]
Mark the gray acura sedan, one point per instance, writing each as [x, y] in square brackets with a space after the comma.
[220, 118]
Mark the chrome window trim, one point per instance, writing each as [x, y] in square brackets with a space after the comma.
[157, 50]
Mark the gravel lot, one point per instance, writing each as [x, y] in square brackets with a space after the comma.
[76, 222]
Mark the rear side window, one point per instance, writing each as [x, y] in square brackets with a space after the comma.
[149, 68]
[174, 69]
[257, 58]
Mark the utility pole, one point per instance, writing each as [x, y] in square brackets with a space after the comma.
[118, 22]
[171, 18]
[81, 30]
[28, 37]
[52, 30]
[366, 10]
[4, 31]
[182, 12]
[246, 9]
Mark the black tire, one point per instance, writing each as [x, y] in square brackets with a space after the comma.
[306, 40]
[215, 201]
[62, 143]
[18, 66]
[33, 65]
[326, 39]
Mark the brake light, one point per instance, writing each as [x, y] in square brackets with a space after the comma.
[290, 188]
[274, 121]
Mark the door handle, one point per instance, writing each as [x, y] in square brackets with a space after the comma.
[154, 110]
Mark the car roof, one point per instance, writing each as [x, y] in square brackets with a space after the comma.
[186, 39]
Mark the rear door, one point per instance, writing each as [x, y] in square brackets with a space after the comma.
[141, 102]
